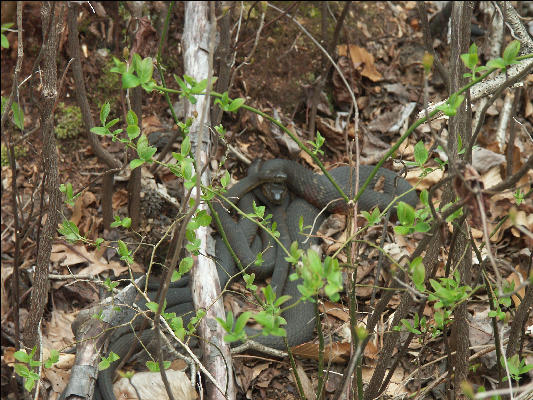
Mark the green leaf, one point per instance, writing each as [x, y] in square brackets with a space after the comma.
[175, 276]
[6, 26]
[135, 62]
[406, 214]
[402, 230]
[154, 366]
[422, 227]
[21, 356]
[145, 69]
[54, 357]
[185, 265]
[236, 104]
[190, 80]
[120, 66]
[110, 124]
[187, 169]
[497, 63]
[18, 115]
[198, 88]
[241, 321]
[424, 197]
[129, 81]
[30, 384]
[104, 112]
[144, 150]
[470, 59]
[421, 153]
[131, 118]
[100, 130]
[511, 51]
[136, 163]
[259, 211]
[149, 86]
[122, 248]
[70, 231]
[186, 146]
[427, 62]
[133, 131]
[221, 131]
[176, 324]
[5, 42]
[419, 273]
[225, 179]
[249, 280]
[106, 361]
[22, 370]
[203, 218]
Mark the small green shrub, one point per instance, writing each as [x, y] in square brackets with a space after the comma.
[20, 151]
[68, 121]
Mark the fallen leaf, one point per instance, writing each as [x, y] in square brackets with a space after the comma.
[333, 352]
[69, 255]
[413, 176]
[335, 309]
[516, 279]
[359, 56]
[58, 330]
[483, 159]
[151, 124]
[307, 386]
[148, 385]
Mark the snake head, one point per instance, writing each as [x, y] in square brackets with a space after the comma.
[267, 171]
[274, 192]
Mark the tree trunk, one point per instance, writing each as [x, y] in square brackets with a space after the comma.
[205, 284]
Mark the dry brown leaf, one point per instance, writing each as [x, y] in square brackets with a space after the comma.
[58, 374]
[77, 211]
[77, 254]
[58, 330]
[396, 385]
[307, 386]
[335, 309]
[308, 159]
[120, 198]
[151, 124]
[9, 355]
[58, 378]
[334, 352]
[247, 375]
[514, 278]
[150, 386]
[428, 181]
[4, 300]
[484, 159]
[476, 233]
[371, 351]
[359, 56]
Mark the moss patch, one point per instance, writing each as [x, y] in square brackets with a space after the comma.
[68, 121]
[20, 151]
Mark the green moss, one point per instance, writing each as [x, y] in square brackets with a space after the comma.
[69, 123]
[20, 151]
[108, 85]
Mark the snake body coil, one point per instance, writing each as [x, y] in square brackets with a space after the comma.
[312, 192]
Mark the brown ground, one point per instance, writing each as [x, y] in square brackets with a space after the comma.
[278, 76]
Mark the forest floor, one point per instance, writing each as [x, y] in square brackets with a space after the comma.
[383, 47]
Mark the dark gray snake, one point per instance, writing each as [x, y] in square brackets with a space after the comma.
[311, 192]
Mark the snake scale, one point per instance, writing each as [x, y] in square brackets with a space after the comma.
[311, 192]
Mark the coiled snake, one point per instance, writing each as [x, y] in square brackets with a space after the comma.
[311, 192]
